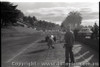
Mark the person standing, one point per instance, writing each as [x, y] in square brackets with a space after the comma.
[50, 42]
[54, 38]
[46, 38]
[69, 41]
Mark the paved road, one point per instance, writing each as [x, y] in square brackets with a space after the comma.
[28, 53]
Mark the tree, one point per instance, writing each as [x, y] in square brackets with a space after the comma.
[9, 13]
[20, 16]
[95, 30]
[30, 21]
[74, 19]
[34, 18]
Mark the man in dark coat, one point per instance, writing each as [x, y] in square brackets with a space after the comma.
[69, 41]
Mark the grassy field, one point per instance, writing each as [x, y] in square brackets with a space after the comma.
[27, 47]
[17, 32]
[13, 41]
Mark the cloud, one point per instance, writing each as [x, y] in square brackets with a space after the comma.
[56, 12]
[52, 12]
[90, 22]
[91, 15]
[59, 13]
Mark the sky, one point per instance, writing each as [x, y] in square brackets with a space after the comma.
[56, 12]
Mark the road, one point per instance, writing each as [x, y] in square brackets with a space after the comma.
[30, 52]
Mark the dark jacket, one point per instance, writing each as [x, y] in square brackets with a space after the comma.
[46, 38]
[69, 39]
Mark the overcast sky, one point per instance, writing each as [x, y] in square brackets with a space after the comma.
[56, 12]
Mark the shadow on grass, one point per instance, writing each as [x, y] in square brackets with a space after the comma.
[37, 51]
[42, 41]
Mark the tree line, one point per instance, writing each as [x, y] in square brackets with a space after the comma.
[10, 15]
[39, 24]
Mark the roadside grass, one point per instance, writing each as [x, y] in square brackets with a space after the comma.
[93, 43]
[17, 32]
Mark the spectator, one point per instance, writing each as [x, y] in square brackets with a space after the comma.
[50, 42]
[46, 38]
[69, 41]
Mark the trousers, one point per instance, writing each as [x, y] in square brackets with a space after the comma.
[69, 56]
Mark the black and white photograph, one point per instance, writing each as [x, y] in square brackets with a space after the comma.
[49, 33]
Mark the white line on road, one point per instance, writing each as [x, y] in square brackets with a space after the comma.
[22, 51]
[82, 55]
